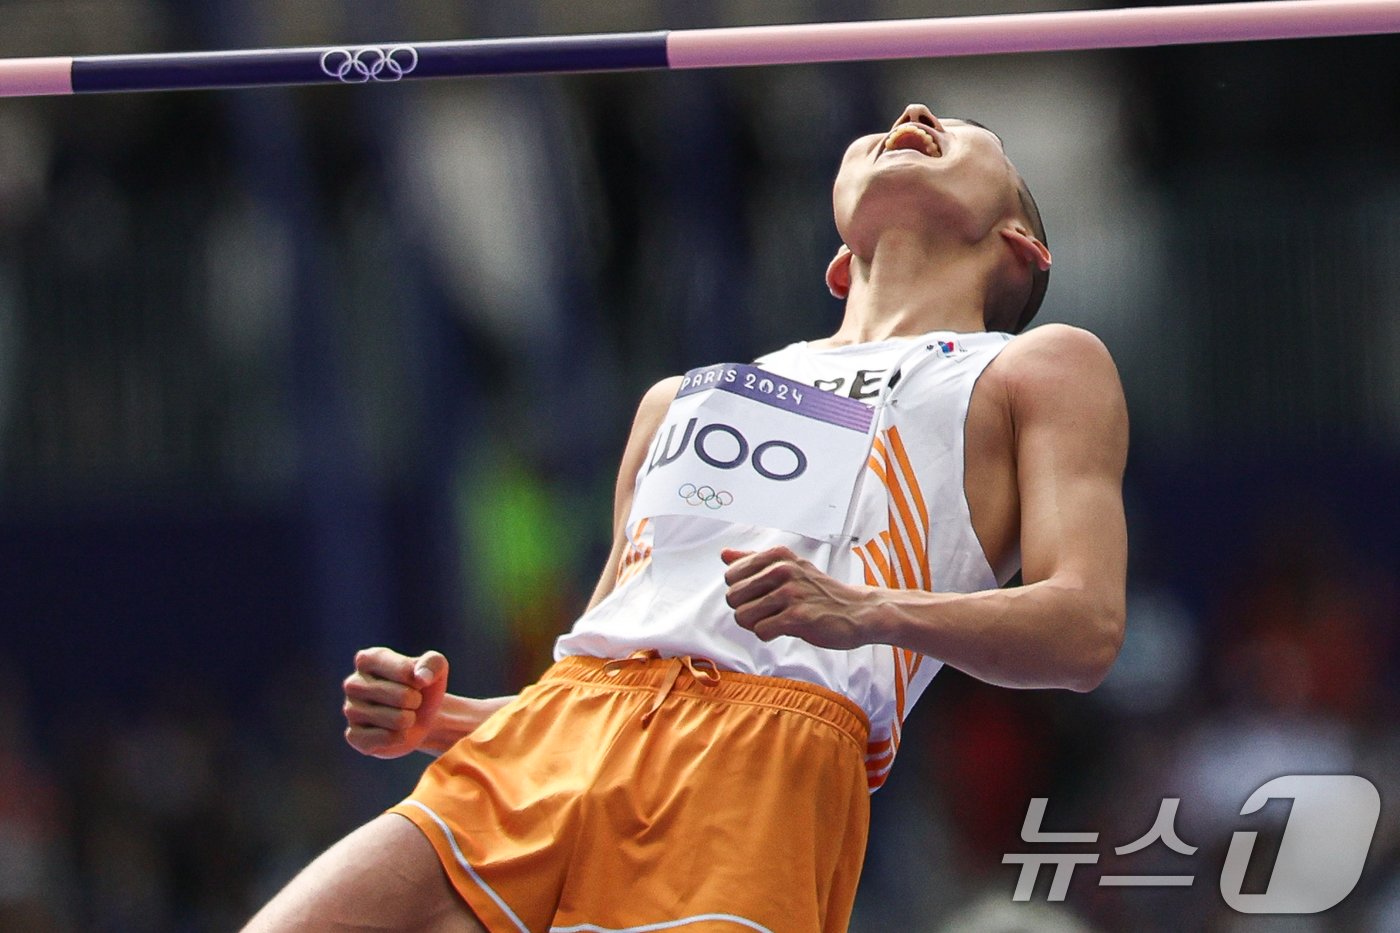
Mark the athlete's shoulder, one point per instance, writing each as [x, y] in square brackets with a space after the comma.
[1063, 377]
[650, 413]
[657, 399]
[1057, 342]
[1053, 357]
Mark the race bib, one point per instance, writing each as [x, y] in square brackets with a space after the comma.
[746, 446]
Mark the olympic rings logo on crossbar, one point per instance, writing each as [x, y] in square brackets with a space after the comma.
[707, 496]
[370, 63]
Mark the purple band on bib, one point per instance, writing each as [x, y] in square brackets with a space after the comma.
[780, 392]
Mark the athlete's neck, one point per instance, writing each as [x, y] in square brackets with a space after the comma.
[910, 286]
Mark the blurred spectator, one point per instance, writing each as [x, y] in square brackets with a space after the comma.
[34, 873]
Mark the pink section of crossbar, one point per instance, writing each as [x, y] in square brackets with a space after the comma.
[1029, 32]
[29, 77]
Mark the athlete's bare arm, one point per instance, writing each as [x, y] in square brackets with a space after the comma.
[1064, 627]
[396, 704]
[650, 413]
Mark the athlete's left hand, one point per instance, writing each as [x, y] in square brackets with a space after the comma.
[775, 592]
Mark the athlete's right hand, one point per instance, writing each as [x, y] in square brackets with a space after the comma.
[391, 700]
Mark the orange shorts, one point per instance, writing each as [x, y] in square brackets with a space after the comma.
[647, 794]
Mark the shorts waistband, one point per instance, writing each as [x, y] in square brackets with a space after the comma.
[733, 686]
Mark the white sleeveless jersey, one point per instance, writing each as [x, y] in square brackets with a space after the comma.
[852, 457]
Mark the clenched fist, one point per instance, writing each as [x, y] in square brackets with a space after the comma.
[391, 700]
[774, 593]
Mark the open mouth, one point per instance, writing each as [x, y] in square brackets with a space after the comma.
[913, 136]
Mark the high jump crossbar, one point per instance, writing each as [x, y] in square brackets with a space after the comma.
[703, 48]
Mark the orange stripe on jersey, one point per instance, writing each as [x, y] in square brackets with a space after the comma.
[637, 555]
[878, 769]
[636, 536]
[893, 537]
[907, 469]
[874, 462]
[869, 571]
[898, 557]
[899, 681]
[903, 457]
[881, 563]
[635, 565]
[632, 557]
[916, 533]
[634, 554]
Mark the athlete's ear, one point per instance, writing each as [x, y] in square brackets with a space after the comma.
[1027, 248]
[838, 273]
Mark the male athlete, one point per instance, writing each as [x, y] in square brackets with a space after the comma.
[799, 545]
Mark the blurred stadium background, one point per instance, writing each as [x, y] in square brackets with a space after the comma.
[288, 372]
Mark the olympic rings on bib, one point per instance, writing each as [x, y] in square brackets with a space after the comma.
[707, 496]
[370, 63]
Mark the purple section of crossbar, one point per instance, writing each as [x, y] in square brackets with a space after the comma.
[386, 63]
[35, 77]
[1030, 32]
[780, 392]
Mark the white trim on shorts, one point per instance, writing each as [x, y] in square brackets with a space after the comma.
[664, 925]
[462, 860]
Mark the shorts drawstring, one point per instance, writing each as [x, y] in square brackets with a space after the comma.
[702, 671]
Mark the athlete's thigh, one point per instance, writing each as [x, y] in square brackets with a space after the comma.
[383, 876]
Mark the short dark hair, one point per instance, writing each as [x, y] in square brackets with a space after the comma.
[1040, 278]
